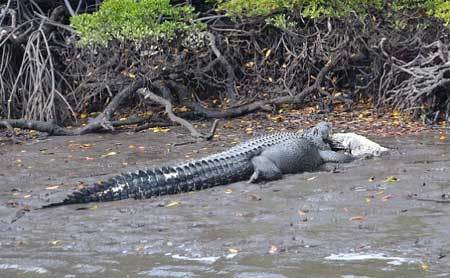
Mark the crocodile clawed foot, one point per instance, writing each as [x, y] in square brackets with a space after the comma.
[254, 177]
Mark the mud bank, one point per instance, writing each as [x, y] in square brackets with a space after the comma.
[353, 223]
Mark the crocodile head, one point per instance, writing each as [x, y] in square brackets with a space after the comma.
[321, 130]
[319, 134]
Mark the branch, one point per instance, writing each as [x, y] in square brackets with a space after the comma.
[49, 127]
[168, 107]
[101, 122]
[262, 104]
[231, 77]
[69, 7]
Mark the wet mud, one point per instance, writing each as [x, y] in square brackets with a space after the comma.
[383, 217]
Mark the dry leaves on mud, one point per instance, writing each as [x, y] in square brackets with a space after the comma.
[159, 129]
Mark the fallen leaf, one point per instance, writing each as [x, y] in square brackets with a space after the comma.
[109, 154]
[385, 198]
[139, 248]
[228, 191]
[254, 197]
[396, 114]
[391, 179]
[228, 125]
[358, 218]
[276, 118]
[274, 249]
[181, 109]
[424, 266]
[173, 204]
[94, 207]
[159, 129]
[55, 242]
[233, 250]
[249, 64]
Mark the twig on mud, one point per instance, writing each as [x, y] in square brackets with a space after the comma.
[168, 108]
[433, 200]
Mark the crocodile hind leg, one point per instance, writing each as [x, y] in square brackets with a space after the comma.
[264, 169]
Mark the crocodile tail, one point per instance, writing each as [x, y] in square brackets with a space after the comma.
[140, 184]
[189, 176]
[85, 195]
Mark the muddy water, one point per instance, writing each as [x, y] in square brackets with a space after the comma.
[318, 224]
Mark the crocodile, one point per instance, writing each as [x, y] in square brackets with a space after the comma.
[263, 158]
